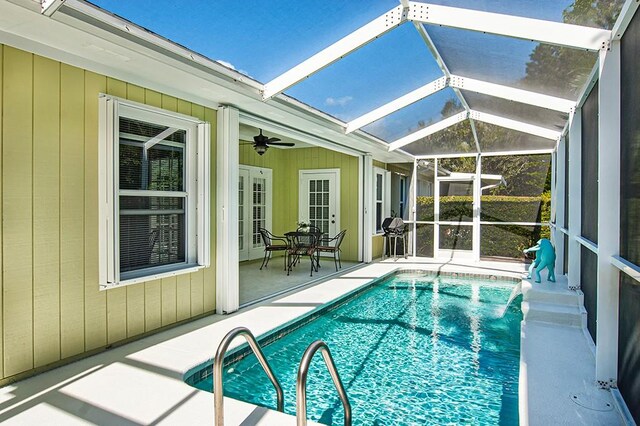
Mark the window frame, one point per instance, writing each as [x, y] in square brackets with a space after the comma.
[195, 191]
[386, 198]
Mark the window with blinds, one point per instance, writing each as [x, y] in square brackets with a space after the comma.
[155, 188]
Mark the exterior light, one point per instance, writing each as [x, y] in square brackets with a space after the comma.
[260, 149]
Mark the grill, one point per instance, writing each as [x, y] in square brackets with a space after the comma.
[394, 230]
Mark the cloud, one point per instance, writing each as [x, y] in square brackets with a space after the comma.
[338, 101]
[231, 66]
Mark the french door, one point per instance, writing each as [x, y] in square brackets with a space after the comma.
[319, 199]
[254, 209]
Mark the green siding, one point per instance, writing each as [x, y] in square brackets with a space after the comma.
[52, 306]
[286, 164]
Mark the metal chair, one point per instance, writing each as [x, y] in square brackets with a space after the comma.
[303, 244]
[269, 247]
[332, 245]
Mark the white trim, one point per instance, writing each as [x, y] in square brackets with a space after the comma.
[575, 196]
[196, 195]
[367, 250]
[555, 33]
[477, 206]
[303, 194]
[515, 125]
[484, 222]
[361, 207]
[336, 51]
[608, 288]
[629, 268]
[624, 18]
[512, 94]
[396, 104]
[227, 255]
[487, 154]
[186, 269]
[585, 242]
[49, 7]
[429, 130]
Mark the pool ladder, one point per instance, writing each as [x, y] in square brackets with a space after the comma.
[301, 382]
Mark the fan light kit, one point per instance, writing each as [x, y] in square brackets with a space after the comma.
[261, 143]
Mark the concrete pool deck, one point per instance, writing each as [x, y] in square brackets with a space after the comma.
[142, 382]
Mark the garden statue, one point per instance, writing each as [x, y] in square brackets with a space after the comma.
[545, 258]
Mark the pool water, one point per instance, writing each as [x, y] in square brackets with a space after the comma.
[410, 351]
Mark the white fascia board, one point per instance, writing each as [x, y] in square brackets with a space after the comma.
[49, 7]
[399, 103]
[555, 33]
[512, 94]
[336, 51]
[626, 14]
[516, 125]
[441, 125]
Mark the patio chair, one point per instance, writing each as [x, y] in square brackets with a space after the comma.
[332, 245]
[303, 244]
[271, 244]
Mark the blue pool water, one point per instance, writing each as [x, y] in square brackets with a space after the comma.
[410, 351]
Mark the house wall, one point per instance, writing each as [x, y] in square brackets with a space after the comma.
[52, 308]
[286, 164]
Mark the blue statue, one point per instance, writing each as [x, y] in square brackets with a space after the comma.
[545, 258]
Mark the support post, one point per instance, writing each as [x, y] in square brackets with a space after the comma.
[575, 194]
[436, 210]
[608, 215]
[227, 255]
[558, 190]
[367, 211]
[477, 193]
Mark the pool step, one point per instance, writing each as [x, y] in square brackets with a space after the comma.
[553, 303]
[554, 313]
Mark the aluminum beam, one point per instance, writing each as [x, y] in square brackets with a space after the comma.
[555, 33]
[365, 34]
[512, 94]
[516, 125]
[441, 125]
[399, 103]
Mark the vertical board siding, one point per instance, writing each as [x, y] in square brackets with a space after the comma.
[1, 212]
[49, 290]
[71, 210]
[46, 214]
[17, 179]
[95, 300]
[286, 164]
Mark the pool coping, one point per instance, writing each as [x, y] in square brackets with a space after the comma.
[142, 382]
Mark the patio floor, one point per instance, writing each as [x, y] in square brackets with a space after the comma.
[256, 284]
[142, 382]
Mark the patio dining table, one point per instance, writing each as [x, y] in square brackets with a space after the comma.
[303, 244]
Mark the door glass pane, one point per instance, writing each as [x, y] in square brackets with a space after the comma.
[259, 210]
[241, 213]
[319, 204]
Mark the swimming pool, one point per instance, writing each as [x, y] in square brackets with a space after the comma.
[426, 350]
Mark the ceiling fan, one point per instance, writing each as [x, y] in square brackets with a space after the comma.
[261, 143]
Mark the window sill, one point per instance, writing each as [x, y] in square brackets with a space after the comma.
[187, 269]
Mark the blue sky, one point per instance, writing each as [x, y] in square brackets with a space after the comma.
[263, 38]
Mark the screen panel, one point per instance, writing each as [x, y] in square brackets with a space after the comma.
[589, 175]
[589, 286]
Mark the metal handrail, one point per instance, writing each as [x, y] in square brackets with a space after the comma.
[301, 384]
[218, 392]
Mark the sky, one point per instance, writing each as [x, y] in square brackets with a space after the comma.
[264, 38]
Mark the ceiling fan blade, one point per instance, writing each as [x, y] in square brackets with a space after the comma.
[281, 143]
[273, 140]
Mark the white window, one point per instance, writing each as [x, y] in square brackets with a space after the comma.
[153, 192]
[382, 198]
